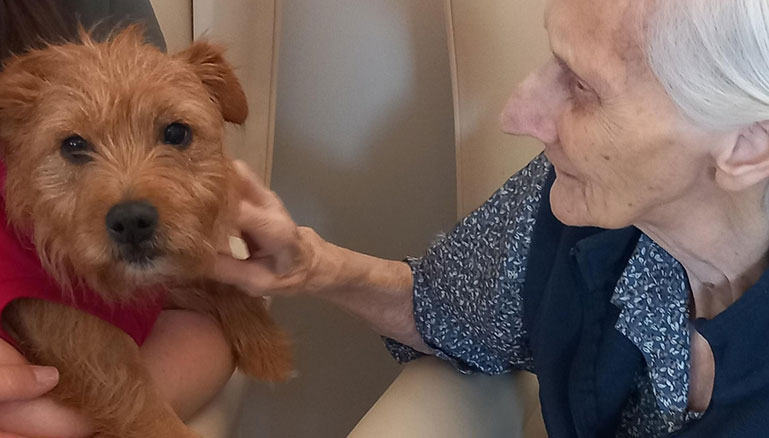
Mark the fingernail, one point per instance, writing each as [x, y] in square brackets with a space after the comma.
[239, 248]
[46, 375]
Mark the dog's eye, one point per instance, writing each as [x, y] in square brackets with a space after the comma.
[76, 150]
[177, 134]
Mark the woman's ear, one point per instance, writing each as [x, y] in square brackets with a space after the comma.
[744, 162]
[217, 75]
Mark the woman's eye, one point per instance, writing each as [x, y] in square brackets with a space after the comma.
[177, 134]
[76, 150]
[578, 86]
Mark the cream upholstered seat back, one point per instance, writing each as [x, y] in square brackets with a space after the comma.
[493, 44]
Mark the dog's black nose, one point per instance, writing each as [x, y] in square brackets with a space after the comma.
[132, 222]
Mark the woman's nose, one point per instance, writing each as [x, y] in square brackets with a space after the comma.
[536, 104]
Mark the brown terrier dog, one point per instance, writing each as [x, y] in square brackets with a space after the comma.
[116, 171]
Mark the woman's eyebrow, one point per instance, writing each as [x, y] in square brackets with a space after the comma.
[595, 81]
[565, 65]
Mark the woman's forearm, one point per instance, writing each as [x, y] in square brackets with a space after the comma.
[376, 290]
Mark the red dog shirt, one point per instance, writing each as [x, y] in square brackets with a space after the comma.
[22, 276]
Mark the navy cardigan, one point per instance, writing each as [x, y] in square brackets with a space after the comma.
[586, 368]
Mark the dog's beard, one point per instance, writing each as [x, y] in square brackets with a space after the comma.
[105, 269]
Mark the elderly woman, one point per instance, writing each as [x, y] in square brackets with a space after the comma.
[626, 266]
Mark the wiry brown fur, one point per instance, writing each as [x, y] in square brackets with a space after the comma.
[120, 95]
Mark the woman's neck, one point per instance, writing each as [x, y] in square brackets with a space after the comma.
[720, 238]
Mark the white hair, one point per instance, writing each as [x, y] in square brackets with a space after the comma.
[712, 57]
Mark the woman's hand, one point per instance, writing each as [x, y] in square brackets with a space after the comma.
[286, 259]
[283, 257]
[186, 354]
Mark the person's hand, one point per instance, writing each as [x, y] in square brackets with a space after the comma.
[21, 382]
[23, 401]
[283, 257]
[26, 382]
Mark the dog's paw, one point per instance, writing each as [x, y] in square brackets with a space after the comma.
[269, 358]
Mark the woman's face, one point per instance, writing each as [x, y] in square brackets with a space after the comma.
[621, 151]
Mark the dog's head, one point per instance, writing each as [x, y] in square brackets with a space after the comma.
[114, 157]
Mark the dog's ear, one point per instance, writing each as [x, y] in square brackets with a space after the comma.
[21, 82]
[207, 60]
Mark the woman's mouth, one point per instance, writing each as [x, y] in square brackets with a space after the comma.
[555, 157]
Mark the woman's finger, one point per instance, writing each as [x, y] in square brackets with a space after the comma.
[253, 188]
[249, 276]
[265, 231]
[255, 277]
[25, 382]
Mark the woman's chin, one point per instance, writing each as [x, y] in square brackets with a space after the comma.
[568, 202]
[570, 206]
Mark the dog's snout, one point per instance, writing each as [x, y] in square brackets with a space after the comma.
[132, 222]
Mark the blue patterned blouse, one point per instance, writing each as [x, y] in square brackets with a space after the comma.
[468, 305]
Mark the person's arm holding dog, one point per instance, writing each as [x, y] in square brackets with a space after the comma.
[180, 346]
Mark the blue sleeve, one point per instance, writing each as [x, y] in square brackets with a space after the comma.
[467, 287]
